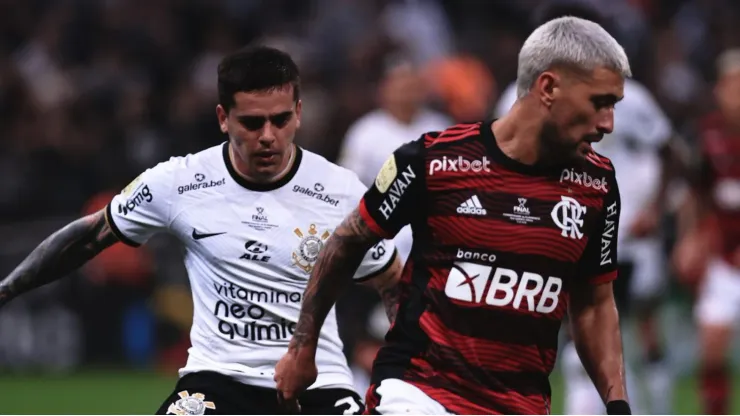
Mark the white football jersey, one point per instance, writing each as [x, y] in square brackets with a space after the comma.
[250, 249]
[641, 128]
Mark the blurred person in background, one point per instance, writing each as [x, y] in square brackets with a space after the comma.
[402, 116]
[253, 214]
[708, 254]
[641, 148]
[463, 85]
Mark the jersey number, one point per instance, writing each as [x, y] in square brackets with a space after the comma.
[378, 251]
[353, 408]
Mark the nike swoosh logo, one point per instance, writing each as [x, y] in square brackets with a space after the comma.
[197, 236]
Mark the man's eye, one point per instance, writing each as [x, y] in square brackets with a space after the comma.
[281, 120]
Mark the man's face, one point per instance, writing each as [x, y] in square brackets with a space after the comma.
[261, 127]
[581, 111]
[727, 92]
[403, 87]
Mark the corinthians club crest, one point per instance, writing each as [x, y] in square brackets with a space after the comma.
[308, 249]
[195, 404]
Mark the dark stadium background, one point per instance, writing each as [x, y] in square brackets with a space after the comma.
[92, 92]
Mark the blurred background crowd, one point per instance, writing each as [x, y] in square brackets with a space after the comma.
[92, 92]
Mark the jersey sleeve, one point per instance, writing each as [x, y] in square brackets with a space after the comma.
[380, 257]
[377, 260]
[143, 207]
[599, 262]
[396, 196]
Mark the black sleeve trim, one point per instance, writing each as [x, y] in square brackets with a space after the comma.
[379, 271]
[116, 231]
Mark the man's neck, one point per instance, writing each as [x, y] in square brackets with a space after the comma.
[518, 135]
[241, 167]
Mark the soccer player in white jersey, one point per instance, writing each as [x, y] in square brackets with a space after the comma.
[253, 214]
[400, 118]
[639, 149]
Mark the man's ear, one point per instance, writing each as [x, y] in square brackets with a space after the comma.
[547, 87]
[223, 117]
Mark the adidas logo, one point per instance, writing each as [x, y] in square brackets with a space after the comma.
[472, 206]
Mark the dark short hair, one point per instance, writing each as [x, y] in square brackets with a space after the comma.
[256, 68]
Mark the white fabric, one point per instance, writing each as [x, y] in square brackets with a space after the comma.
[373, 138]
[719, 299]
[247, 281]
[648, 277]
[398, 397]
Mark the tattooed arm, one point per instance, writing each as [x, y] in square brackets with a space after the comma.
[331, 275]
[386, 284]
[58, 255]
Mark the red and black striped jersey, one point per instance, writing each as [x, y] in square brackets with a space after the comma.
[720, 150]
[497, 246]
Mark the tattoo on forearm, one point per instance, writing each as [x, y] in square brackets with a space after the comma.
[390, 297]
[332, 273]
[61, 253]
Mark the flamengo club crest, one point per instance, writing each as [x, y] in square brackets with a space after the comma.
[308, 249]
[190, 405]
[568, 215]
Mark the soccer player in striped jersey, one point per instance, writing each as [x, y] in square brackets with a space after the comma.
[715, 195]
[515, 224]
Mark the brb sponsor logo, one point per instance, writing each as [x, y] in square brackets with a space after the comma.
[470, 282]
[240, 314]
[583, 179]
[200, 183]
[140, 195]
[459, 164]
[316, 192]
[394, 184]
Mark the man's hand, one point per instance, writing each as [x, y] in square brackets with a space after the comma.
[294, 373]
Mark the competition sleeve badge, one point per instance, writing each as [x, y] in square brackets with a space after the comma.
[386, 175]
[304, 257]
[190, 405]
[131, 186]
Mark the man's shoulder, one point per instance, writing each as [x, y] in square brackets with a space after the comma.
[187, 173]
[341, 180]
[370, 120]
[600, 163]
[201, 161]
[454, 134]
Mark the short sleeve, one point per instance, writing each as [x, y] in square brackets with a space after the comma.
[143, 207]
[599, 262]
[377, 260]
[647, 121]
[397, 193]
[381, 256]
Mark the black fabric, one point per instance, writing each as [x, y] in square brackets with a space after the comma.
[217, 394]
[618, 407]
